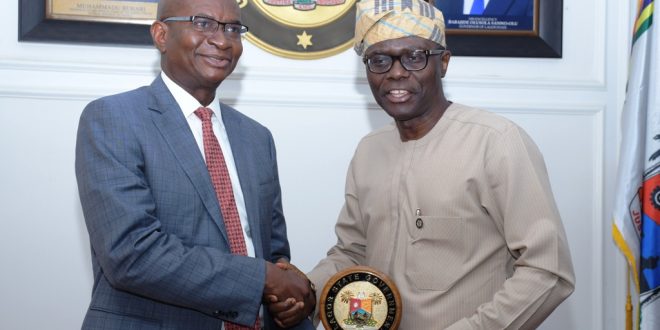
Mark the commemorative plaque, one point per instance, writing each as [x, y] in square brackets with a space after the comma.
[360, 298]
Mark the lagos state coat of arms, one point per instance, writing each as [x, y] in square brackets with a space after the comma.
[300, 29]
[360, 298]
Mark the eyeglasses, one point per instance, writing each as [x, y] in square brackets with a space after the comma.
[413, 61]
[209, 25]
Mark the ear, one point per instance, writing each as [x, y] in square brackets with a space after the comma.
[446, 55]
[159, 35]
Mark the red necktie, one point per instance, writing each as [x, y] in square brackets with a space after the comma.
[215, 162]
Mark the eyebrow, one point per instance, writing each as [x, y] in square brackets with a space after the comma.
[403, 50]
[213, 18]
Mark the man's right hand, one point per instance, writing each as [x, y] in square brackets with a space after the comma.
[287, 295]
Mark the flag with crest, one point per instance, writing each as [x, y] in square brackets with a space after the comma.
[636, 217]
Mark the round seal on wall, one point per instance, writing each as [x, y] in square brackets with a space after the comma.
[360, 298]
[300, 29]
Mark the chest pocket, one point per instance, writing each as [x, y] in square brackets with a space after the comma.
[435, 256]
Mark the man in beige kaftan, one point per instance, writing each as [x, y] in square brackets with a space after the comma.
[451, 202]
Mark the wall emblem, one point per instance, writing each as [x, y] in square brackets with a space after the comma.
[300, 29]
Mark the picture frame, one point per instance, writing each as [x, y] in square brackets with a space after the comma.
[540, 36]
[35, 26]
[543, 41]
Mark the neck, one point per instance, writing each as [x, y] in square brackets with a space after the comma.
[204, 96]
[417, 128]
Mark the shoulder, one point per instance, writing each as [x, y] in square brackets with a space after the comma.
[486, 129]
[386, 132]
[376, 145]
[380, 137]
[116, 114]
[121, 103]
[498, 135]
[478, 119]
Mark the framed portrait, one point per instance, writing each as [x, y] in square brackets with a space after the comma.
[117, 11]
[503, 28]
[124, 22]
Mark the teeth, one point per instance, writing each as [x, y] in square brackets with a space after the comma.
[398, 92]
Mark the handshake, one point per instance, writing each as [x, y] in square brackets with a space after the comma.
[288, 294]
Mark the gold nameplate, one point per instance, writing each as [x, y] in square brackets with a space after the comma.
[360, 298]
[113, 11]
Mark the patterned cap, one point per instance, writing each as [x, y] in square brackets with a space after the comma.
[378, 20]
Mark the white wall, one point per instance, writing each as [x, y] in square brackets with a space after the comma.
[317, 111]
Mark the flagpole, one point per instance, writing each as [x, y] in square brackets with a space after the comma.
[629, 308]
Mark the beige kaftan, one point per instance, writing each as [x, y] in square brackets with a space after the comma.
[491, 252]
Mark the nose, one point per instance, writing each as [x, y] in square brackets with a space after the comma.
[397, 71]
[219, 39]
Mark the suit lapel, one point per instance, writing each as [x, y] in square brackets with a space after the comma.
[245, 166]
[174, 129]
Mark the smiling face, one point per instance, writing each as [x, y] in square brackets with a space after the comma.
[414, 99]
[196, 61]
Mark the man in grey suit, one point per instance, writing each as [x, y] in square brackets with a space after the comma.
[158, 226]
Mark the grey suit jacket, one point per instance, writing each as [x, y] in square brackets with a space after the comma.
[160, 253]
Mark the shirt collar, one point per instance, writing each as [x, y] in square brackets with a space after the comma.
[187, 102]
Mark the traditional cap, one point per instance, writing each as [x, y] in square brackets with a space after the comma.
[378, 20]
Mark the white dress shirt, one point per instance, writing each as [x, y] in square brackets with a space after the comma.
[467, 6]
[188, 105]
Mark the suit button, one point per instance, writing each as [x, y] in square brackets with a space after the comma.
[419, 223]
[216, 313]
